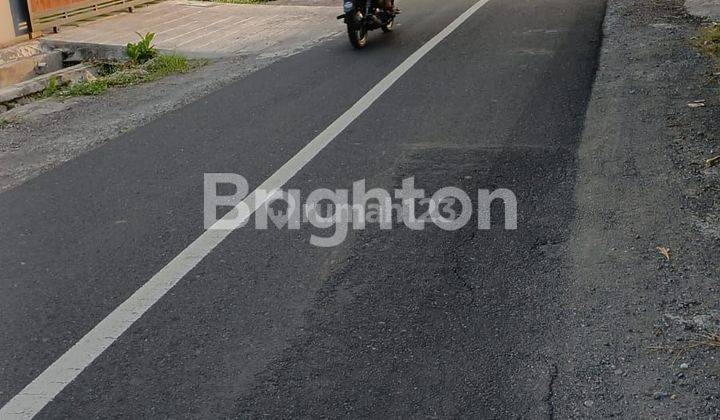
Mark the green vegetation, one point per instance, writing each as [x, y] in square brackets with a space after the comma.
[4, 123]
[87, 88]
[125, 77]
[709, 40]
[52, 88]
[118, 74]
[143, 50]
[145, 65]
[165, 65]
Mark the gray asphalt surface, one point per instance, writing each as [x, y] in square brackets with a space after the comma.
[396, 322]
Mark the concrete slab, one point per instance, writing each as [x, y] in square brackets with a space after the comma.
[37, 84]
[24, 69]
[704, 8]
[208, 29]
[19, 51]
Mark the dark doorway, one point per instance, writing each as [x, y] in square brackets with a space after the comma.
[20, 17]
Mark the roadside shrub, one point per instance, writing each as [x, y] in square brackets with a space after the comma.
[143, 50]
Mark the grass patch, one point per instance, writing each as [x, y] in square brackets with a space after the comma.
[165, 65]
[4, 123]
[709, 40]
[87, 88]
[119, 74]
[126, 77]
[52, 89]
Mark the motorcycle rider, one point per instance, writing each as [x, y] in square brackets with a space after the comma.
[388, 9]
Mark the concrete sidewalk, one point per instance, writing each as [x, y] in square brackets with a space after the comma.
[704, 8]
[208, 29]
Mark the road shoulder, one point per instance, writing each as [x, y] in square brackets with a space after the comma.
[642, 189]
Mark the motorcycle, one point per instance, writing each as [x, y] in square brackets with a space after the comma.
[363, 16]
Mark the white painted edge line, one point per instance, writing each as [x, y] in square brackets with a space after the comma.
[43, 389]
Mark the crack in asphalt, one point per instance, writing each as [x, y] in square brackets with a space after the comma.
[551, 391]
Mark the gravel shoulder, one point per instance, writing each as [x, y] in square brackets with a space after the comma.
[642, 184]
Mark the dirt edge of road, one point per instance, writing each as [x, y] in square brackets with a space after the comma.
[643, 190]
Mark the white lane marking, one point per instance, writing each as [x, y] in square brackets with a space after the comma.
[64, 370]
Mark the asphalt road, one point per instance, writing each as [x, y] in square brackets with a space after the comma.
[392, 322]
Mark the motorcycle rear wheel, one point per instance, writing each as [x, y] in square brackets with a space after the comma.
[358, 36]
[357, 31]
[389, 27]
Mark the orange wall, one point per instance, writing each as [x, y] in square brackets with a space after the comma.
[43, 5]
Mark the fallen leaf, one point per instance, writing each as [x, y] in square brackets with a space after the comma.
[89, 77]
[712, 161]
[664, 251]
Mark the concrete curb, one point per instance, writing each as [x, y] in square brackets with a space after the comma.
[24, 69]
[709, 9]
[84, 51]
[67, 75]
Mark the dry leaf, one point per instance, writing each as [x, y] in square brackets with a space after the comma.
[664, 251]
[712, 161]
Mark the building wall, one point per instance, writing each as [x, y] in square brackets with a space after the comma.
[14, 19]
